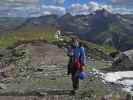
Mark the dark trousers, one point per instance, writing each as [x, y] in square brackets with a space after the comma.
[75, 74]
[69, 66]
[75, 79]
[75, 83]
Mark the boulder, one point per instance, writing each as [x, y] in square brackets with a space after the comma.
[124, 60]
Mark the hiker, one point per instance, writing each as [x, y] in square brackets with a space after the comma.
[76, 54]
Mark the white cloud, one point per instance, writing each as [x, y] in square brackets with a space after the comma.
[19, 7]
[123, 10]
[37, 8]
[124, 2]
[53, 10]
[60, 2]
[54, 2]
[77, 8]
[87, 8]
[30, 7]
[95, 6]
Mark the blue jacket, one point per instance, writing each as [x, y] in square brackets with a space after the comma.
[79, 53]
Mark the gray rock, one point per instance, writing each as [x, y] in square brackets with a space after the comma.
[3, 86]
[124, 60]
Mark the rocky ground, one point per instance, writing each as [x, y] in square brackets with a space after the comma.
[38, 71]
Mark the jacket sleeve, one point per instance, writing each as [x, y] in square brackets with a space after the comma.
[70, 51]
[83, 56]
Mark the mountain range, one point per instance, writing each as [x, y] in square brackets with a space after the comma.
[101, 27]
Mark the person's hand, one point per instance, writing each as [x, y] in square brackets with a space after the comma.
[84, 67]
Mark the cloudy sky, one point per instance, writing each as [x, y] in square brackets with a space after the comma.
[43, 7]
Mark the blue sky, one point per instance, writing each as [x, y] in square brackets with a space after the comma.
[60, 7]
[114, 3]
[69, 2]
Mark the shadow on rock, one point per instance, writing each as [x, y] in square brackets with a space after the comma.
[38, 93]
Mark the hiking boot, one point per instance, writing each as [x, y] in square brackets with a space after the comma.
[73, 92]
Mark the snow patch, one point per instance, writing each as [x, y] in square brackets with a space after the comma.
[124, 78]
[115, 76]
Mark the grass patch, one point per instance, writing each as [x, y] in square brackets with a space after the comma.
[104, 48]
[108, 49]
[89, 67]
[130, 40]
[28, 33]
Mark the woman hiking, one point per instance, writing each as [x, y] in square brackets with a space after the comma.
[77, 60]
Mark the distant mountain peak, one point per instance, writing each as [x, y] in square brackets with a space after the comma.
[103, 12]
[98, 27]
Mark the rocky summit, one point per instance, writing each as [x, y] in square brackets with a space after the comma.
[38, 71]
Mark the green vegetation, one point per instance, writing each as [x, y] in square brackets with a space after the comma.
[104, 48]
[130, 40]
[28, 33]
[107, 49]
[114, 28]
[89, 67]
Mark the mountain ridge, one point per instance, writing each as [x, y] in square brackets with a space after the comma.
[101, 27]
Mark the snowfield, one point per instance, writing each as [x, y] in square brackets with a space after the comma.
[124, 78]
[116, 76]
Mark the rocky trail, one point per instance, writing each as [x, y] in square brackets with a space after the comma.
[38, 71]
